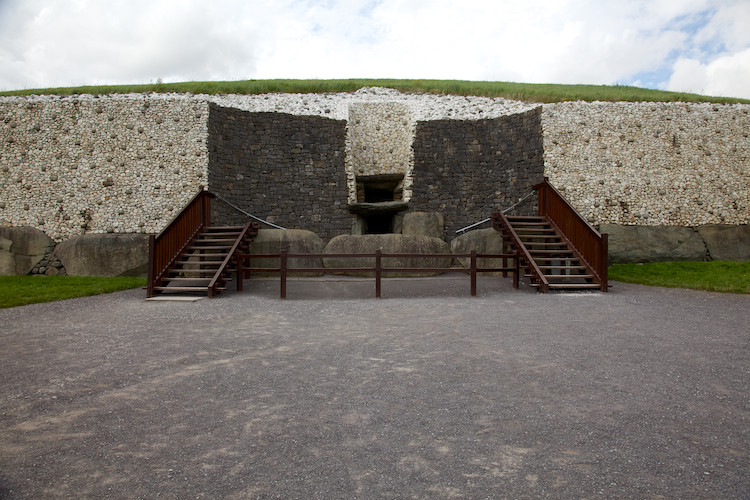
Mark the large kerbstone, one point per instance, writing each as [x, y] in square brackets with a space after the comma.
[483, 241]
[29, 246]
[423, 224]
[7, 262]
[653, 243]
[387, 243]
[105, 255]
[726, 242]
[295, 240]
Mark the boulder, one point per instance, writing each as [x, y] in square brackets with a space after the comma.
[7, 262]
[28, 246]
[423, 224]
[112, 254]
[483, 241]
[653, 243]
[387, 243]
[295, 240]
[725, 242]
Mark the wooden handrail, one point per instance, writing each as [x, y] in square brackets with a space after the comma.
[591, 245]
[217, 275]
[166, 247]
[534, 267]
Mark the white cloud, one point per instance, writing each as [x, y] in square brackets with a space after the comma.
[727, 76]
[72, 42]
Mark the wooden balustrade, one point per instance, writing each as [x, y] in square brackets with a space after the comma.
[167, 246]
[587, 241]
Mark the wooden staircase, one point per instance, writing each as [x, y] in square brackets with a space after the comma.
[549, 260]
[558, 249]
[192, 256]
[208, 262]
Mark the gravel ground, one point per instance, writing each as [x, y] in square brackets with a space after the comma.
[640, 393]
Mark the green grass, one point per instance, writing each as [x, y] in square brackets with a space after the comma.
[714, 276]
[531, 92]
[22, 290]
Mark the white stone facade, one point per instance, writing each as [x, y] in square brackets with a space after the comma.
[129, 163]
[653, 164]
[379, 141]
[122, 164]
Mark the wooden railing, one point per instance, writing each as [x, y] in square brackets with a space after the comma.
[500, 220]
[250, 228]
[166, 247]
[378, 269]
[587, 241]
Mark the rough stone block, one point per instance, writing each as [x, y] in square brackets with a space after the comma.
[295, 240]
[424, 224]
[483, 241]
[387, 243]
[29, 245]
[726, 242]
[653, 243]
[105, 255]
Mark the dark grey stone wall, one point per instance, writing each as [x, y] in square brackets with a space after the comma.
[284, 168]
[468, 169]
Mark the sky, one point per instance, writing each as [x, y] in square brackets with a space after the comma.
[700, 46]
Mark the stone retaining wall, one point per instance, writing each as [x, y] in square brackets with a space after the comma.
[129, 163]
[467, 169]
[76, 165]
[283, 168]
[651, 164]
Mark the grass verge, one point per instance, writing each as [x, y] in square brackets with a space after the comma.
[22, 290]
[714, 276]
[530, 92]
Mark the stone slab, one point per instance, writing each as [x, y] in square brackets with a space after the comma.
[105, 255]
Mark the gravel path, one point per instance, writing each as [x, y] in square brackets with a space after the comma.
[426, 393]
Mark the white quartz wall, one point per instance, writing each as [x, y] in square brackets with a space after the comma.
[379, 139]
[113, 164]
[129, 163]
[651, 164]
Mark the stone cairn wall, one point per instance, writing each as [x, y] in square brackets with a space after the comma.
[283, 168]
[468, 169]
[129, 163]
[82, 164]
[651, 164]
[379, 141]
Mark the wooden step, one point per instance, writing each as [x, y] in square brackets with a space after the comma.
[209, 247]
[216, 240]
[575, 286]
[563, 267]
[568, 276]
[562, 251]
[202, 289]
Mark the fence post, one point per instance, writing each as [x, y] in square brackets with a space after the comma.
[604, 274]
[239, 272]
[377, 272]
[473, 273]
[151, 265]
[282, 273]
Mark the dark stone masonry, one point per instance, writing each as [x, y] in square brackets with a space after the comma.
[284, 168]
[289, 169]
[468, 169]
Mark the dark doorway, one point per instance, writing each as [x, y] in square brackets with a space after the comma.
[379, 224]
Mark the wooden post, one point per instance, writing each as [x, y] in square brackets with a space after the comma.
[517, 270]
[604, 274]
[505, 258]
[151, 265]
[282, 273]
[473, 273]
[239, 273]
[377, 272]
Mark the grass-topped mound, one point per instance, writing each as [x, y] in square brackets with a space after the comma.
[530, 92]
